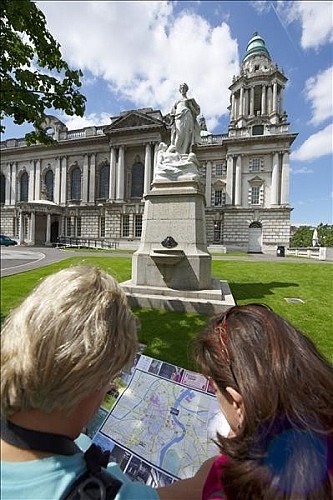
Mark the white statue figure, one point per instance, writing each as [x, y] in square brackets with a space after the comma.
[185, 129]
[172, 166]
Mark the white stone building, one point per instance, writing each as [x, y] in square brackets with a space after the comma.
[91, 185]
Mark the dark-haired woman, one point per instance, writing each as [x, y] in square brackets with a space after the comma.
[276, 391]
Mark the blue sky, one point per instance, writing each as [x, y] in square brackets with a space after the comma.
[135, 54]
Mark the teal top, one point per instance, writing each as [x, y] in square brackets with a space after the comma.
[50, 477]
[256, 46]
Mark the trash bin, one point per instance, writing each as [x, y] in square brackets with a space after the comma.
[280, 252]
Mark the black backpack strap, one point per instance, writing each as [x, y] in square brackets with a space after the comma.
[96, 483]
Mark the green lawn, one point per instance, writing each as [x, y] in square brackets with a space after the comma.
[168, 335]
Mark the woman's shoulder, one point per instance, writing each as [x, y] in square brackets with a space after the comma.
[213, 487]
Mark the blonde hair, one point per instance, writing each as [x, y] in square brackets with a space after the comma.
[68, 338]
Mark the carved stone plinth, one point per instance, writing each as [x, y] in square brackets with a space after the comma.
[172, 267]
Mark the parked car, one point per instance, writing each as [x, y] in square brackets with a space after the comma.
[5, 240]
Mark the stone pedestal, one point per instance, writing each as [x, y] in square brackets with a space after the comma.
[172, 267]
[174, 214]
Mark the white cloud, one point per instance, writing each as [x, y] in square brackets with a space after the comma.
[315, 18]
[261, 6]
[93, 119]
[301, 170]
[319, 92]
[316, 146]
[144, 51]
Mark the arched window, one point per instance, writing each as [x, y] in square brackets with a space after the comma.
[104, 179]
[255, 224]
[2, 188]
[49, 180]
[137, 180]
[24, 187]
[76, 184]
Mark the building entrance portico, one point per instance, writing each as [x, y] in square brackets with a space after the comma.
[39, 222]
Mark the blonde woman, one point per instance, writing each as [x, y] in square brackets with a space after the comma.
[60, 351]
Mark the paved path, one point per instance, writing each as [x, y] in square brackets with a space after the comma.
[19, 259]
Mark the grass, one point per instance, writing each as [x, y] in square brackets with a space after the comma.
[168, 335]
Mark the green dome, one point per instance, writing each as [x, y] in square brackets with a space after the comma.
[256, 47]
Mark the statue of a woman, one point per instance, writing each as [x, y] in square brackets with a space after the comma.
[185, 129]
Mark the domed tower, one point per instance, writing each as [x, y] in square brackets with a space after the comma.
[257, 94]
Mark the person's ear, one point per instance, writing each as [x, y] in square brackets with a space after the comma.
[237, 403]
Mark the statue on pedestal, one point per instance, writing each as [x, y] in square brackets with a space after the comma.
[185, 130]
[177, 161]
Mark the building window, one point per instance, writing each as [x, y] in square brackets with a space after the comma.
[255, 164]
[217, 231]
[76, 184]
[77, 222]
[68, 226]
[258, 130]
[255, 195]
[26, 226]
[137, 225]
[104, 179]
[49, 182]
[137, 180]
[125, 226]
[220, 169]
[24, 187]
[102, 226]
[219, 198]
[2, 189]
[15, 226]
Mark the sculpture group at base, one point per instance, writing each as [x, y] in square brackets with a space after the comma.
[177, 161]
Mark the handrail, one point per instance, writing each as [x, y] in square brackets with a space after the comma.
[73, 241]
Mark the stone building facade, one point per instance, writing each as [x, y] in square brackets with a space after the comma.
[92, 183]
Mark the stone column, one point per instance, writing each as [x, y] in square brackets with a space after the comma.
[48, 230]
[121, 174]
[230, 178]
[251, 101]
[147, 174]
[7, 184]
[92, 178]
[246, 103]
[155, 158]
[32, 228]
[13, 184]
[275, 179]
[56, 195]
[37, 179]
[285, 179]
[85, 179]
[21, 228]
[241, 103]
[31, 187]
[238, 181]
[63, 193]
[274, 97]
[208, 187]
[112, 181]
[263, 100]
[232, 106]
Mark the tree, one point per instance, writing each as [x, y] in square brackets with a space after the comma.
[325, 235]
[303, 236]
[34, 75]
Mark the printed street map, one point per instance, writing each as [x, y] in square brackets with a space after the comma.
[162, 423]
